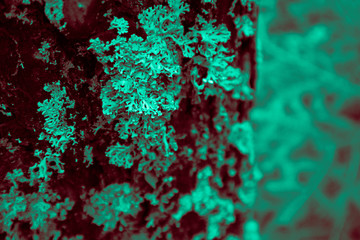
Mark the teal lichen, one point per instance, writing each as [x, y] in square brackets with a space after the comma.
[39, 209]
[111, 207]
[206, 202]
[54, 12]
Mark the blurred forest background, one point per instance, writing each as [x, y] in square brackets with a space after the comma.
[307, 119]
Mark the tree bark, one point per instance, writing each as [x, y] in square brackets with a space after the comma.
[197, 181]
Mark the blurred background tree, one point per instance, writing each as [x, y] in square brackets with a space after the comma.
[307, 116]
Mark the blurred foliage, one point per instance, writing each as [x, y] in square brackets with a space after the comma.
[307, 116]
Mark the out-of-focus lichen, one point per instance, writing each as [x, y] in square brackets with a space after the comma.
[54, 12]
[113, 205]
[39, 209]
[206, 202]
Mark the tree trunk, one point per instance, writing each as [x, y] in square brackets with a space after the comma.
[128, 119]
